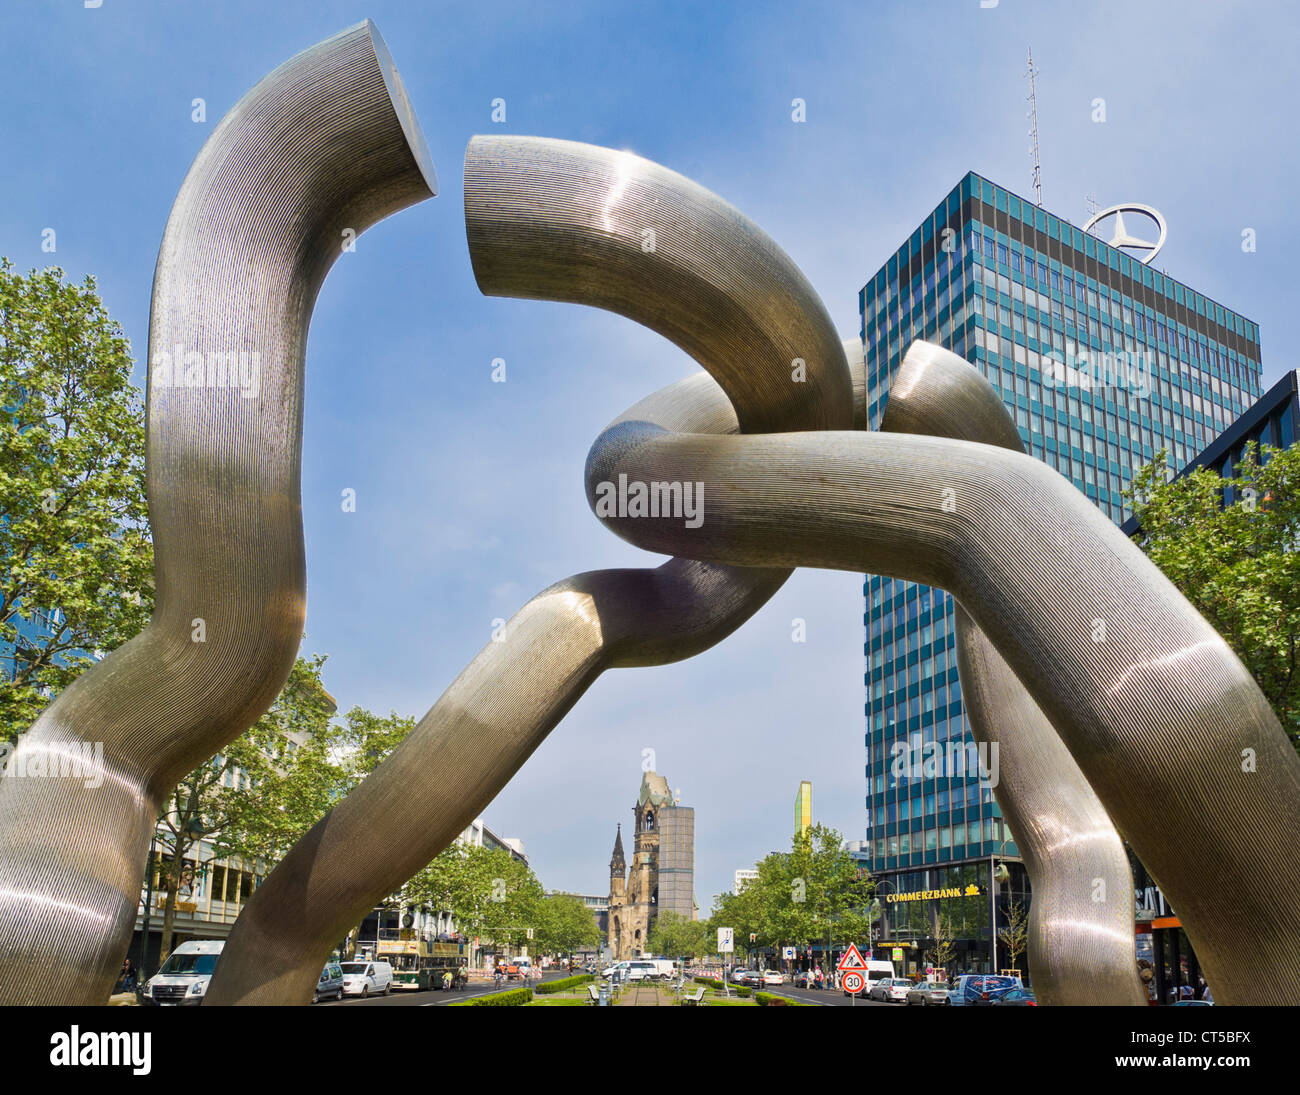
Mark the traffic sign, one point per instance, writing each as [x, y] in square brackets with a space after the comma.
[726, 940]
[852, 959]
[853, 982]
[787, 952]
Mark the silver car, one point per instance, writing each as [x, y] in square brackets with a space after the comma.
[890, 990]
[330, 983]
[927, 993]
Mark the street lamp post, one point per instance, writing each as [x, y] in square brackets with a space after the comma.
[142, 973]
[878, 907]
[994, 885]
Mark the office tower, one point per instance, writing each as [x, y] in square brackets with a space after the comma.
[1102, 361]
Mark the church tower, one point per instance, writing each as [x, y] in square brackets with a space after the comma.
[617, 893]
[661, 874]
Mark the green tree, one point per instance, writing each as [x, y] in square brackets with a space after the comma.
[812, 894]
[563, 925]
[74, 536]
[512, 899]
[258, 796]
[294, 768]
[1236, 563]
[673, 935]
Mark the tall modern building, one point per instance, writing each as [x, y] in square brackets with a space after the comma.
[1273, 420]
[1102, 361]
[803, 808]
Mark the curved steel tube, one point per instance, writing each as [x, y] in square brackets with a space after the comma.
[326, 142]
[556, 220]
[1081, 944]
[1162, 718]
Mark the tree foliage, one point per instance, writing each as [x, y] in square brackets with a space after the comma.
[673, 936]
[813, 893]
[74, 540]
[1237, 563]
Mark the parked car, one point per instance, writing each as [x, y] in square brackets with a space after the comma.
[1016, 998]
[928, 992]
[184, 977]
[363, 979]
[773, 977]
[977, 989]
[739, 975]
[330, 983]
[890, 990]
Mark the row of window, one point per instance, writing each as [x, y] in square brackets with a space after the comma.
[942, 838]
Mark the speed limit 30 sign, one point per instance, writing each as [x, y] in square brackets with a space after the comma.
[853, 982]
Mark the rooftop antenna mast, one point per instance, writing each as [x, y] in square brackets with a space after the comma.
[1033, 129]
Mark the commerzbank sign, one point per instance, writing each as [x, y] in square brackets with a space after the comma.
[929, 895]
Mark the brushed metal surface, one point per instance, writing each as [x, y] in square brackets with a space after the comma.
[1164, 721]
[555, 220]
[1081, 942]
[325, 143]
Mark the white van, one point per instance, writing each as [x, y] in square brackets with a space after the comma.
[665, 968]
[878, 971]
[367, 978]
[184, 977]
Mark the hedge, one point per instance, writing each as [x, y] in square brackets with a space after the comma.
[563, 983]
[513, 998]
[714, 983]
[772, 1000]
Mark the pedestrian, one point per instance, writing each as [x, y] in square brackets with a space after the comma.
[496, 976]
[128, 976]
[446, 980]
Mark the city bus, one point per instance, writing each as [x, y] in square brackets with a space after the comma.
[418, 964]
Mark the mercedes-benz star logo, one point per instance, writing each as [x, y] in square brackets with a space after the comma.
[1142, 250]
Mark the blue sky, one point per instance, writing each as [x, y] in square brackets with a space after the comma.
[469, 493]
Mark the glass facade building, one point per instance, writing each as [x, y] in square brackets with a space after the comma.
[1102, 361]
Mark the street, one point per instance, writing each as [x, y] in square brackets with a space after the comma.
[831, 998]
[433, 999]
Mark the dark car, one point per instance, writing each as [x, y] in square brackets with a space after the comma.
[981, 989]
[1016, 998]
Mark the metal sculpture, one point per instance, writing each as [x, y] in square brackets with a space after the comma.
[563, 221]
[1156, 713]
[1081, 944]
[1164, 721]
[322, 148]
